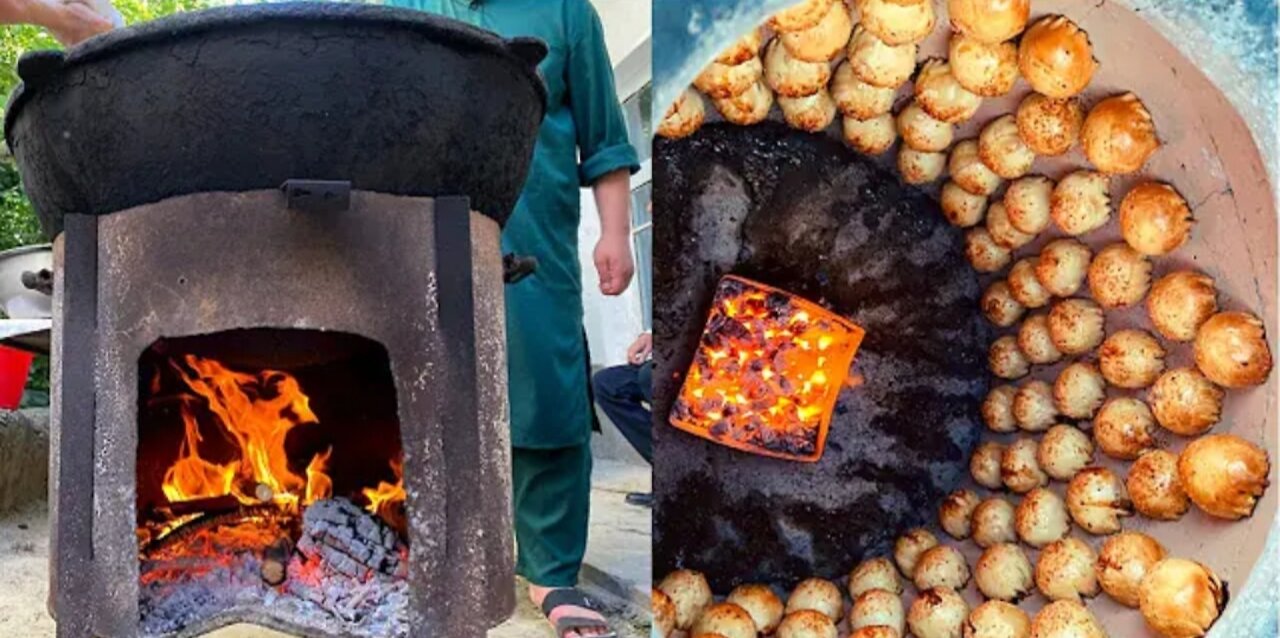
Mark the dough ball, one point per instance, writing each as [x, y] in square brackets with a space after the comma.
[791, 77]
[664, 613]
[758, 600]
[1050, 126]
[752, 107]
[1155, 219]
[999, 306]
[1033, 407]
[1037, 344]
[1124, 428]
[801, 15]
[807, 624]
[725, 619]
[870, 137]
[956, 513]
[922, 132]
[1024, 283]
[1224, 475]
[747, 47]
[989, 20]
[1119, 276]
[941, 566]
[941, 96]
[984, 254]
[878, 608]
[997, 619]
[1002, 150]
[823, 41]
[968, 171]
[1064, 570]
[898, 21]
[1119, 135]
[1131, 359]
[961, 208]
[1231, 349]
[1124, 561]
[1056, 58]
[684, 117]
[1027, 201]
[857, 99]
[1020, 469]
[1066, 619]
[1079, 389]
[880, 64]
[1154, 486]
[1005, 359]
[1185, 402]
[937, 613]
[1041, 518]
[910, 546]
[720, 81]
[1002, 230]
[984, 69]
[1004, 573]
[920, 168]
[997, 408]
[819, 595]
[1062, 266]
[1181, 598]
[810, 113]
[984, 465]
[1180, 302]
[993, 522]
[1064, 451]
[1096, 500]
[1076, 326]
[876, 631]
[691, 594]
[877, 573]
[1081, 202]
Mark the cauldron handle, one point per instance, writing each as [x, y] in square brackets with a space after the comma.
[35, 67]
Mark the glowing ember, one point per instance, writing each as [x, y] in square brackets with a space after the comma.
[767, 372]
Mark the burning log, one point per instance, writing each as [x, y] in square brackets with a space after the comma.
[212, 505]
[275, 561]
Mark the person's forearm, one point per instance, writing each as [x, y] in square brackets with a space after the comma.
[23, 12]
[613, 200]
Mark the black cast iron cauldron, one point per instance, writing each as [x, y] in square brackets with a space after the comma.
[246, 97]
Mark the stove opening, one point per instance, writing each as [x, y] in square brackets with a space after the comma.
[269, 473]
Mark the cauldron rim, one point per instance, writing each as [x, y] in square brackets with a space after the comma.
[195, 23]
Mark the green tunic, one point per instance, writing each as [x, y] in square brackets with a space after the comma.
[583, 137]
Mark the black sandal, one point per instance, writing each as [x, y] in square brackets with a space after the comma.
[570, 597]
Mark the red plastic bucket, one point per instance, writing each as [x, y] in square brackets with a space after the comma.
[14, 366]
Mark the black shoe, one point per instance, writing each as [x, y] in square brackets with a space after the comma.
[640, 499]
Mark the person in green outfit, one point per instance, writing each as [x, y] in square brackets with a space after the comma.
[583, 142]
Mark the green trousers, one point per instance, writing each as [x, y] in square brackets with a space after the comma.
[552, 497]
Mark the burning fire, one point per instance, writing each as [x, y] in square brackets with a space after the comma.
[767, 372]
[386, 499]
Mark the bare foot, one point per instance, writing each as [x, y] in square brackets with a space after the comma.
[538, 594]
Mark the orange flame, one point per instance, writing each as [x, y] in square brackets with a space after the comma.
[386, 495]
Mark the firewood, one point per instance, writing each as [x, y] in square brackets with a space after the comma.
[210, 505]
[275, 561]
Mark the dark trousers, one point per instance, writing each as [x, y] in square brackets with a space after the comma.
[622, 391]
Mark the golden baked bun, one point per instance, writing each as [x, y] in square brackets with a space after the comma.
[1079, 390]
[1154, 486]
[1002, 150]
[1024, 284]
[751, 107]
[941, 96]
[877, 613]
[968, 171]
[664, 613]
[1028, 201]
[1002, 229]
[1064, 452]
[1081, 202]
[984, 466]
[876, 573]
[987, 70]
[989, 21]
[1124, 428]
[1224, 475]
[1181, 598]
[747, 47]
[1064, 570]
[823, 41]
[725, 619]
[857, 99]
[917, 167]
[1131, 359]
[1119, 135]
[1076, 326]
[1180, 302]
[1041, 518]
[1036, 342]
[993, 520]
[801, 15]
[997, 408]
[1050, 126]
[1066, 619]
[1020, 468]
[1097, 501]
[1119, 276]
[923, 132]
[791, 77]
[1231, 349]
[759, 600]
[807, 624]
[898, 21]
[877, 631]
[1005, 359]
[997, 618]
[880, 64]
[810, 113]
[1003, 573]
[871, 137]
[999, 306]
[937, 613]
[1124, 561]
[1062, 266]
[1185, 402]
[1155, 219]
[689, 592]
[909, 547]
[1056, 58]
[955, 515]
[984, 254]
[684, 117]
[818, 594]
[1033, 407]
[720, 81]
[941, 566]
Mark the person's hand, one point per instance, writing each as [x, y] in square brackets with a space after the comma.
[640, 349]
[72, 21]
[613, 263]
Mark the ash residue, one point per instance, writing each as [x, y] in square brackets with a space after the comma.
[803, 213]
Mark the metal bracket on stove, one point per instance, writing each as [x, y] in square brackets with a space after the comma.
[317, 196]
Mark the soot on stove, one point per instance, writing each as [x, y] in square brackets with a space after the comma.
[803, 213]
